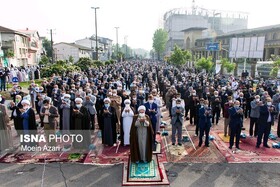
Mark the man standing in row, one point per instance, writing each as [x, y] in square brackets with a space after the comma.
[267, 112]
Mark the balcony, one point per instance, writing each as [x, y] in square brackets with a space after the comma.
[7, 44]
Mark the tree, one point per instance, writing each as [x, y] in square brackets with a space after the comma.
[60, 68]
[48, 47]
[9, 53]
[84, 63]
[44, 60]
[159, 41]
[228, 65]
[179, 57]
[276, 65]
[204, 63]
[71, 59]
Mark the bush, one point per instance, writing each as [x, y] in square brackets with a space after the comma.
[84, 63]
[98, 63]
[59, 68]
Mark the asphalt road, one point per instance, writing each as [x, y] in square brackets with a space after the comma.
[202, 175]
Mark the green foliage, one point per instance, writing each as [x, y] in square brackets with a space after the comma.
[204, 63]
[48, 47]
[71, 59]
[60, 68]
[228, 65]
[179, 57]
[98, 63]
[276, 66]
[9, 53]
[44, 60]
[159, 41]
[85, 63]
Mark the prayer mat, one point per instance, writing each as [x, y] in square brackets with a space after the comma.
[39, 157]
[142, 170]
[138, 177]
[225, 139]
[187, 153]
[248, 152]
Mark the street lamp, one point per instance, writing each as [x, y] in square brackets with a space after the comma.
[117, 36]
[96, 43]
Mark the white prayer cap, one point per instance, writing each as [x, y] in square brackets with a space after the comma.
[78, 100]
[107, 99]
[154, 90]
[25, 101]
[66, 95]
[127, 101]
[142, 107]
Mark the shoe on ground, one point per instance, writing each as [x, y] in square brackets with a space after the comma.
[267, 146]
[179, 144]
[257, 146]
[230, 147]
[173, 143]
[199, 145]
[206, 145]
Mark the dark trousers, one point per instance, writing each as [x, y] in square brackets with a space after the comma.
[205, 129]
[235, 132]
[92, 120]
[263, 133]
[2, 85]
[154, 125]
[193, 116]
[197, 127]
[253, 121]
[187, 111]
[247, 111]
[216, 113]
[278, 127]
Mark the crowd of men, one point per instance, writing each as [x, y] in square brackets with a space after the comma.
[108, 99]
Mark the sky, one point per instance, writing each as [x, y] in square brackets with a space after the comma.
[74, 19]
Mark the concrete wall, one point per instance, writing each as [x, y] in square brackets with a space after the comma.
[64, 51]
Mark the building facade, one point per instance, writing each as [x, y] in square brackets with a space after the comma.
[271, 45]
[104, 47]
[14, 47]
[63, 51]
[216, 22]
[35, 46]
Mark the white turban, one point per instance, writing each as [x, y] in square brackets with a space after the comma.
[127, 101]
[142, 107]
[107, 99]
[27, 102]
[66, 95]
[78, 100]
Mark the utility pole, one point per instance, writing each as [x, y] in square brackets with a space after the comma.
[117, 36]
[51, 32]
[96, 38]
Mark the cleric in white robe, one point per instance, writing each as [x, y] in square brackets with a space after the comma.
[127, 117]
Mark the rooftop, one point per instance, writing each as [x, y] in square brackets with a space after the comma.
[245, 31]
[7, 30]
[74, 45]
